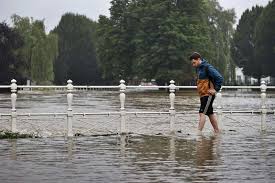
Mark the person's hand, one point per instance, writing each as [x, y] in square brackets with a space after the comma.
[212, 91]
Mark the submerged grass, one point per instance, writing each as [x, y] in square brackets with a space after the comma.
[7, 134]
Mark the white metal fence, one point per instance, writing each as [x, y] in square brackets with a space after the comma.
[77, 122]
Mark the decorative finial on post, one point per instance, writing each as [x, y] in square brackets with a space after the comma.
[13, 104]
[122, 96]
[172, 88]
[70, 88]
[13, 94]
[263, 88]
[172, 96]
[122, 89]
[263, 93]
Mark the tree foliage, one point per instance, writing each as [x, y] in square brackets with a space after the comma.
[38, 52]
[10, 40]
[77, 53]
[243, 48]
[141, 39]
[220, 23]
[253, 46]
[265, 40]
[153, 39]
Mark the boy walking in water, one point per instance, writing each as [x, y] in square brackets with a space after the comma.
[209, 81]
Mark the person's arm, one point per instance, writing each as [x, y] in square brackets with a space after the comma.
[216, 76]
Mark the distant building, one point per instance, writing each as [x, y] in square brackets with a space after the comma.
[241, 79]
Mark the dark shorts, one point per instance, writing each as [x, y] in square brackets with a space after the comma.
[206, 105]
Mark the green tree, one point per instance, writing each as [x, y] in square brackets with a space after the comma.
[153, 39]
[77, 53]
[265, 40]
[220, 23]
[243, 45]
[10, 41]
[115, 49]
[38, 52]
[159, 41]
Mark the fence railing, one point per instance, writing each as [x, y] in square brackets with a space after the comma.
[122, 96]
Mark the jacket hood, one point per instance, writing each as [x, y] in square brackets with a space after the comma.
[203, 63]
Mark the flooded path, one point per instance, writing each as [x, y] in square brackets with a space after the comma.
[242, 153]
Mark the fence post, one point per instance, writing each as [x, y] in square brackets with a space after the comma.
[263, 107]
[219, 108]
[69, 125]
[172, 88]
[122, 108]
[13, 104]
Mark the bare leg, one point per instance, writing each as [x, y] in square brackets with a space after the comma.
[214, 123]
[202, 121]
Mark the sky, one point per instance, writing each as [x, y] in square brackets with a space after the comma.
[52, 10]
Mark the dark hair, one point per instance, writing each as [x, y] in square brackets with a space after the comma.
[195, 55]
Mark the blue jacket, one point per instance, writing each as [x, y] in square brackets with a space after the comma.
[208, 77]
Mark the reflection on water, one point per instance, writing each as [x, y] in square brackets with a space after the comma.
[13, 149]
[70, 148]
[205, 151]
[185, 159]
[222, 158]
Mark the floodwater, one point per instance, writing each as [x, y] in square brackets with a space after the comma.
[241, 153]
